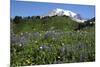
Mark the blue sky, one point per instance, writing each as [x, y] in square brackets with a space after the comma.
[19, 8]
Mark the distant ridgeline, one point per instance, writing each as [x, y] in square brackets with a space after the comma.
[36, 23]
[90, 22]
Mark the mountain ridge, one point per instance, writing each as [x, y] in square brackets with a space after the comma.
[61, 12]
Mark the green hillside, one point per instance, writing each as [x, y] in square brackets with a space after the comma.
[51, 40]
[45, 24]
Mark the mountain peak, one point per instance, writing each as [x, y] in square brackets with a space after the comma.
[62, 12]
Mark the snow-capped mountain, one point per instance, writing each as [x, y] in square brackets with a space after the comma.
[61, 12]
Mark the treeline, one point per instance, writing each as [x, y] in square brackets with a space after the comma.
[18, 19]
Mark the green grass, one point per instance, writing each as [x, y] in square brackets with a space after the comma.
[70, 47]
[58, 23]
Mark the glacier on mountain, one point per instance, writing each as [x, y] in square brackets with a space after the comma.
[61, 12]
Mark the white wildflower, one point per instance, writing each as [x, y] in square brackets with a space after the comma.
[58, 56]
[20, 44]
[52, 28]
[36, 41]
[40, 34]
[21, 33]
[41, 47]
[62, 43]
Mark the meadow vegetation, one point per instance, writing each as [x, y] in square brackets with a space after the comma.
[51, 40]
